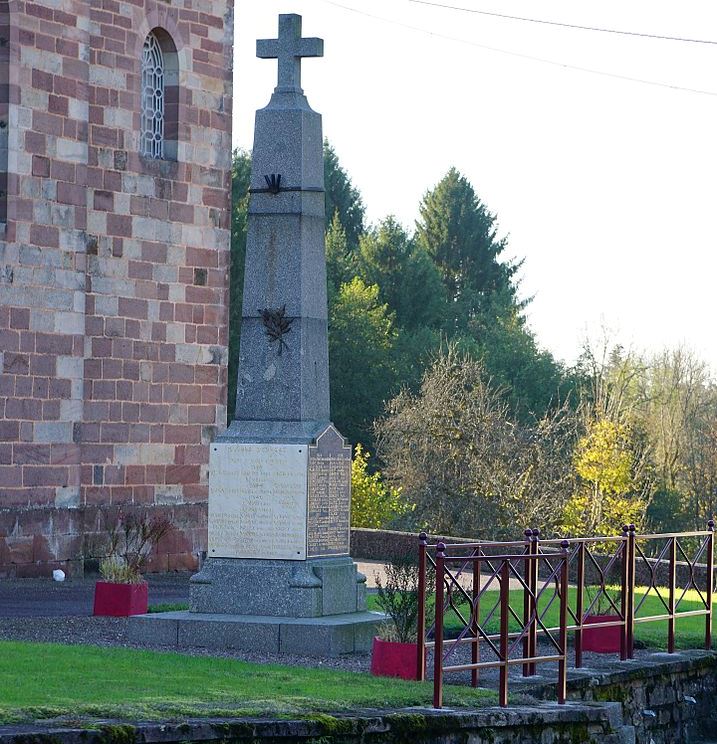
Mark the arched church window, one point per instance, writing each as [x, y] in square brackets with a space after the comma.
[160, 97]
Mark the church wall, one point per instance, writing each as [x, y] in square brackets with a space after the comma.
[113, 324]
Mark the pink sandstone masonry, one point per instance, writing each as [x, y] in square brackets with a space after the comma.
[113, 276]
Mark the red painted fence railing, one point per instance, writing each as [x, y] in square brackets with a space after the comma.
[467, 575]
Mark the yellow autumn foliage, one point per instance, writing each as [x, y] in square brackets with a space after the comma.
[373, 503]
[604, 461]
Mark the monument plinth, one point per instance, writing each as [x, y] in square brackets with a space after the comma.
[278, 575]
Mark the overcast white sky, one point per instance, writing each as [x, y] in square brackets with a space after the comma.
[607, 188]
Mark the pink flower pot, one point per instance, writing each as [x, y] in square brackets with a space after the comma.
[602, 640]
[120, 600]
[393, 659]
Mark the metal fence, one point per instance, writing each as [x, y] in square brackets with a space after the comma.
[472, 585]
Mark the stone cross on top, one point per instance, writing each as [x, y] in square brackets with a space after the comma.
[289, 48]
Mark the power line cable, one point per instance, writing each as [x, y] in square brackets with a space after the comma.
[530, 57]
[564, 25]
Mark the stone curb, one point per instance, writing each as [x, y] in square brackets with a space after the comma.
[366, 725]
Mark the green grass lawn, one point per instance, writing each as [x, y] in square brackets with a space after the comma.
[689, 631]
[78, 682]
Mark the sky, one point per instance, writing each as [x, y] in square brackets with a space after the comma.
[605, 187]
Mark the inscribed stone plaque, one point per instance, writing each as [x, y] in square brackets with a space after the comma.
[329, 495]
[257, 501]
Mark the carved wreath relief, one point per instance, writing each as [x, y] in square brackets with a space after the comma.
[276, 325]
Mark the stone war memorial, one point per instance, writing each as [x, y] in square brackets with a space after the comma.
[278, 575]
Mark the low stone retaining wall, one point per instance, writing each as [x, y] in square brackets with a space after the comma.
[666, 698]
[34, 541]
[386, 545]
[584, 723]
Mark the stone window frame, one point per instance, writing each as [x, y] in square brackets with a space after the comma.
[168, 97]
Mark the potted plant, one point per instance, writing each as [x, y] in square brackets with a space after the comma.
[394, 652]
[603, 606]
[122, 590]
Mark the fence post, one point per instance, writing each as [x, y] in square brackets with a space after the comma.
[580, 605]
[671, 596]
[533, 630]
[710, 582]
[475, 616]
[631, 592]
[504, 612]
[421, 619]
[527, 577]
[625, 580]
[563, 663]
[438, 645]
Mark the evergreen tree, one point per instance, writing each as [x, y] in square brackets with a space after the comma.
[460, 234]
[339, 260]
[361, 339]
[342, 198]
[408, 280]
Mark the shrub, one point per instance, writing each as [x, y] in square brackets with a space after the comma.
[131, 541]
[398, 598]
[374, 504]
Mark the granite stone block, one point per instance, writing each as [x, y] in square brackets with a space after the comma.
[321, 637]
[222, 631]
[161, 628]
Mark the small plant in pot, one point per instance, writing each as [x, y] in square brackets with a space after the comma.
[603, 605]
[122, 590]
[394, 651]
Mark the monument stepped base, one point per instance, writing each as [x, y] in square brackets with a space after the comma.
[330, 635]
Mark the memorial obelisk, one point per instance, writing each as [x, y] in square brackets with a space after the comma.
[278, 575]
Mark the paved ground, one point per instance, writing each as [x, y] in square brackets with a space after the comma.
[46, 598]
[73, 597]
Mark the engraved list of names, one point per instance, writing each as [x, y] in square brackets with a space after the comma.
[329, 495]
[257, 501]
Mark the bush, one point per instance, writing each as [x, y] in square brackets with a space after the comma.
[398, 598]
[132, 540]
[373, 503]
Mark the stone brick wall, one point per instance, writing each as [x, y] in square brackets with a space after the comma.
[528, 724]
[386, 545]
[4, 101]
[113, 279]
[666, 699]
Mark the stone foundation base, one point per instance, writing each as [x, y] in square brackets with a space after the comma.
[316, 636]
[311, 588]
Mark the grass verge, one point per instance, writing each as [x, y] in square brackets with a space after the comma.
[41, 680]
[689, 631]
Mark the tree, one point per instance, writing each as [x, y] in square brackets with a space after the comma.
[241, 176]
[532, 378]
[361, 338]
[339, 260]
[460, 234]
[700, 460]
[614, 457]
[604, 461]
[374, 504]
[408, 280]
[470, 469]
[342, 198]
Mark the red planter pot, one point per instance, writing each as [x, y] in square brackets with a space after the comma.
[393, 659]
[120, 600]
[602, 640]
